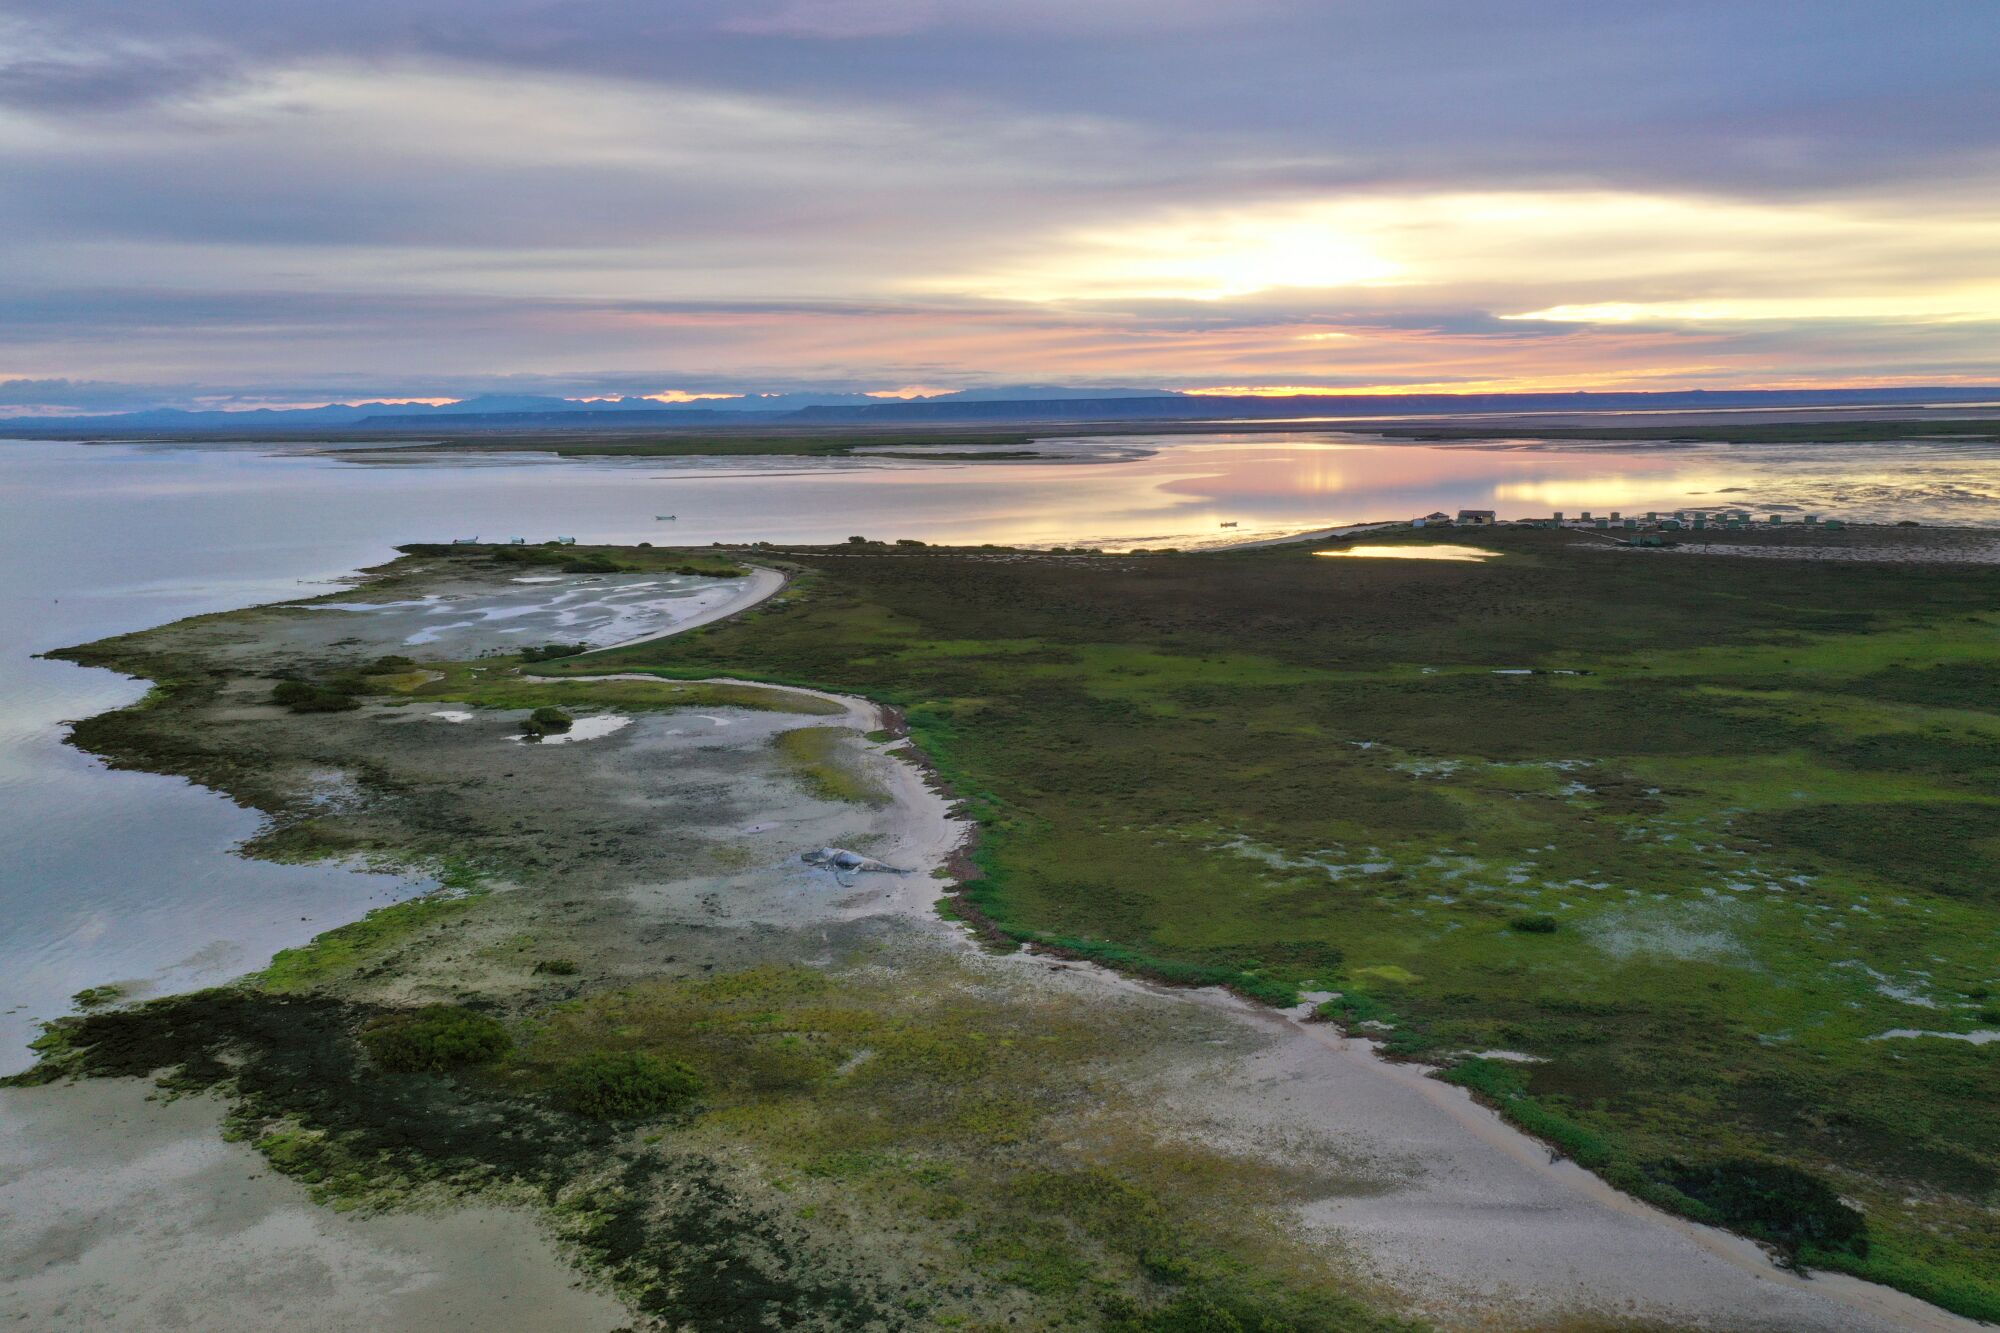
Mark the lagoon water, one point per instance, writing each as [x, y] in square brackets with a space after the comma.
[128, 876]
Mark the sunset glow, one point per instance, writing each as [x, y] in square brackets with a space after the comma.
[330, 215]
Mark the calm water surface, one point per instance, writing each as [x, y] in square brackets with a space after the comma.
[126, 876]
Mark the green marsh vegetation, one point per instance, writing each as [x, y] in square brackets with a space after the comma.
[588, 559]
[626, 1085]
[96, 997]
[491, 683]
[980, 1124]
[818, 757]
[435, 1038]
[1754, 798]
[336, 954]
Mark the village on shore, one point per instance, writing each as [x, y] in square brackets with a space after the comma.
[1655, 528]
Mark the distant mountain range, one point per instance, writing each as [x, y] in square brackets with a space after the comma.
[525, 407]
[1022, 404]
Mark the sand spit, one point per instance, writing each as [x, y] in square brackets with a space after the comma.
[120, 1212]
[648, 832]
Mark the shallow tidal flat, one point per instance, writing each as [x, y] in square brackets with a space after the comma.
[729, 1084]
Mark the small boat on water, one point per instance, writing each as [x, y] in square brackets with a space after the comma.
[664, 518]
[1230, 524]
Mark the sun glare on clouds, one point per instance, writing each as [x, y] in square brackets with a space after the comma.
[1204, 258]
[1642, 257]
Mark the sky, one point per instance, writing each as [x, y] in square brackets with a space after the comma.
[233, 203]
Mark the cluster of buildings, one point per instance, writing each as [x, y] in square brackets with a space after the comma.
[1654, 521]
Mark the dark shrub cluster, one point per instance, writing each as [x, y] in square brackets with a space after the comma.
[549, 652]
[434, 1038]
[626, 1085]
[1533, 925]
[1772, 1201]
[547, 721]
[302, 696]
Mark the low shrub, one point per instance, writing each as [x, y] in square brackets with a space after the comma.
[556, 967]
[549, 652]
[1533, 925]
[1772, 1201]
[305, 697]
[435, 1038]
[546, 721]
[625, 1085]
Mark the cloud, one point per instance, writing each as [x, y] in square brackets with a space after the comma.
[837, 19]
[425, 193]
[1767, 95]
[843, 20]
[1607, 257]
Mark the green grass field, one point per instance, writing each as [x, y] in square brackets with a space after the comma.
[1759, 800]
